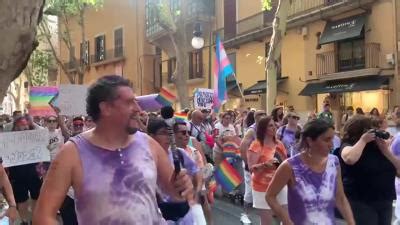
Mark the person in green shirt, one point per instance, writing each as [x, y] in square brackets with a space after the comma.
[326, 114]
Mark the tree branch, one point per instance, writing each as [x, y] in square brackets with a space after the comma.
[45, 29]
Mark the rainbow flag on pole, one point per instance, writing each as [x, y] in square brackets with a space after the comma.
[39, 98]
[181, 116]
[222, 70]
[227, 176]
[165, 97]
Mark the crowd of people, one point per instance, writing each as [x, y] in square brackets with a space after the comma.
[116, 165]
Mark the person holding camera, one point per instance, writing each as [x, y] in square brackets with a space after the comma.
[264, 156]
[369, 170]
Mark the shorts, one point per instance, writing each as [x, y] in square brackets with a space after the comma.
[25, 182]
[259, 201]
[248, 195]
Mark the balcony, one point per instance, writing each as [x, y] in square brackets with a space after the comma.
[167, 78]
[109, 56]
[329, 66]
[258, 26]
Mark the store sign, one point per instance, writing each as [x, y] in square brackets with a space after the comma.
[349, 86]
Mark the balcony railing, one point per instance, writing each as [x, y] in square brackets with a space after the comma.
[265, 19]
[329, 62]
[109, 55]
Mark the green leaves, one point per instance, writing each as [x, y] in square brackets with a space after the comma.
[70, 7]
[38, 67]
[266, 4]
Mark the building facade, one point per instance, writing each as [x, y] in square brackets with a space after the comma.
[345, 51]
[115, 44]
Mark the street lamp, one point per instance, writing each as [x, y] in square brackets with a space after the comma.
[197, 40]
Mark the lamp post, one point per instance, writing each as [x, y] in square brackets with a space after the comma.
[197, 40]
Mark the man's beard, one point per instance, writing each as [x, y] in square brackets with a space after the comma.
[131, 130]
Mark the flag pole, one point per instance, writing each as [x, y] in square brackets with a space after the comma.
[237, 84]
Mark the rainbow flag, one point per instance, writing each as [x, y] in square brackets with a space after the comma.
[222, 70]
[39, 98]
[227, 176]
[181, 116]
[165, 97]
[230, 149]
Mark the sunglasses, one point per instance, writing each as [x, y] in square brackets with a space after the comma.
[52, 121]
[183, 132]
[295, 117]
[78, 125]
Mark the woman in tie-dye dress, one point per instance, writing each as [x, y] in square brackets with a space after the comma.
[313, 179]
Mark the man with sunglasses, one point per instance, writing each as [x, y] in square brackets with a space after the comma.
[194, 149]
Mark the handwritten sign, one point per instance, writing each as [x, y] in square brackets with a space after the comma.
[72, 99]
[203, 98]
[24, 147]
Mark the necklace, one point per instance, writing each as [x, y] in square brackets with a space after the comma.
[119, 150]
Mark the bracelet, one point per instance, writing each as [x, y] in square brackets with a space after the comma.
[12, 206]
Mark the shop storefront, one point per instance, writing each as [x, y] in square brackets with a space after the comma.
[363, 92]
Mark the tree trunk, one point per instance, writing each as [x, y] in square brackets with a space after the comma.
[18, 22]
[279, 29]
[182, 68]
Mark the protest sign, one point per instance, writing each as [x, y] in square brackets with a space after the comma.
[24, 147]
[39, 98]
[203, 98]
[72, 99]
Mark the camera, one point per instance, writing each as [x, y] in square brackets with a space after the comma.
[381, 134]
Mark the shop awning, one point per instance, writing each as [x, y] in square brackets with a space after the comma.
[342, 29]
[260, 87]
[232, 87]
[348, 85]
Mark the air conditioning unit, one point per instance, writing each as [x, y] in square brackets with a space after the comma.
[390, 59]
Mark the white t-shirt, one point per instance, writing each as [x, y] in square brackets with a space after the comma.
[56, 140]
[222, 129]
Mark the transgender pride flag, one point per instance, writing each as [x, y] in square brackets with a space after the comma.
[222, 70]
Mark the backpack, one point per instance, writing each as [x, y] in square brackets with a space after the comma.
[198, 138]
[283, 131]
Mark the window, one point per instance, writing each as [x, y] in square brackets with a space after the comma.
[229, 19]
[119, 42]
[100, 50]
[351, 55]
[85, 53]
[171, 69]
[195, 64]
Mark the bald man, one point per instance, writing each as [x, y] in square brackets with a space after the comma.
[196, 127]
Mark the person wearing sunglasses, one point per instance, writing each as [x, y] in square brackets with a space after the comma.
[200, 206]
[56, 139]
[287, 133]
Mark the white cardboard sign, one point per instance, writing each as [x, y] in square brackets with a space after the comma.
[72, 99]
[203, 98]
[24, 147]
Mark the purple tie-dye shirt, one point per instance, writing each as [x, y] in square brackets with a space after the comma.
[119, 187]
[311, 201]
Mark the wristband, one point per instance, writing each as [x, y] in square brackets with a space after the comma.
[12, 206]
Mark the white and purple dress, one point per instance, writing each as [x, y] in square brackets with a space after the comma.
[118, 187]
[311, 201]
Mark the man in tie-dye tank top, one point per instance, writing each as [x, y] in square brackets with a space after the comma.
[113, 168]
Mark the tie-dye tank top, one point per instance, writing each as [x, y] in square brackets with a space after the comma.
[311, 201]
[119, 187]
